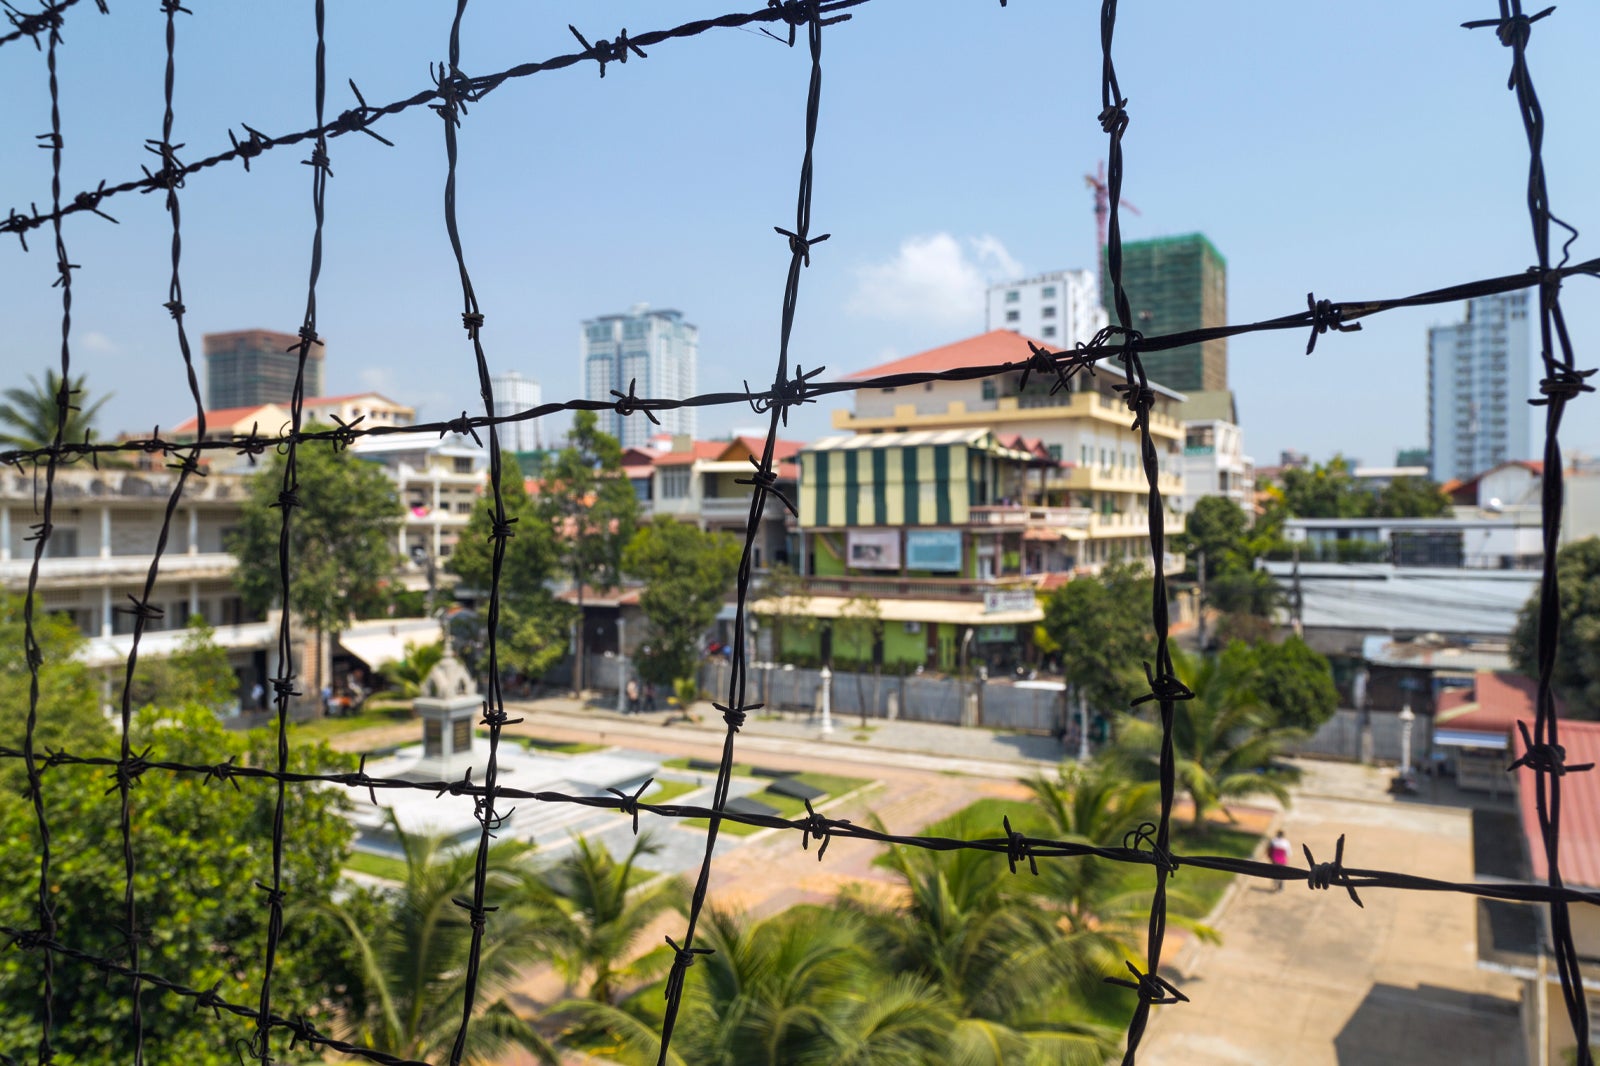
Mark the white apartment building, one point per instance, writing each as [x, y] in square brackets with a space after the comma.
[1061, 308]
[1214, 462]
[514, 394]
[1478, 388]
[658, 352]
[439, 480]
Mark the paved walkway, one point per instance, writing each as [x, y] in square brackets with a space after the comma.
[1310, 978]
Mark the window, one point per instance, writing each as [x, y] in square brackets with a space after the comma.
[1049, 331]
[1048, 311]
[463, 465]
[988, 389]
[62, 544]
[1013, 316]
[1055, 452]
[887, 391]
[1048, 292]
[675, 483]
[1013, 296]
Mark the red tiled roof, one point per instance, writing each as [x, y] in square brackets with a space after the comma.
[708, 450]
[222, 416]
[781, 449]
[1580, 807]
[996, 346]
[1493, 705]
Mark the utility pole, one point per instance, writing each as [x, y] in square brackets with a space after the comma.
[1202, 571]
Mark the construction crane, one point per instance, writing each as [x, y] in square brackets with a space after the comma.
[1102, 216]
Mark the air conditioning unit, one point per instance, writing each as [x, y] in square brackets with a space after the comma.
[913, 627]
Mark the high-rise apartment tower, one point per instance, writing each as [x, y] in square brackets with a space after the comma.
[249, 367]
[1061, 307]
[1478, 388]
[1176, 284]
[514, 394]
[657, 350]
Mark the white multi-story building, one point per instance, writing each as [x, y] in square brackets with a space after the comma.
[1214, 462]
[513, 394]
[439, 481]
[655, 350]
[1478, 388]
[1061, 307]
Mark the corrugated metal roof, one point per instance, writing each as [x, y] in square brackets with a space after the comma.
[1380, 598]
[973, 437]
[1580, 807]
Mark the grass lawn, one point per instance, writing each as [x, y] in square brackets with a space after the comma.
[325, 728]
[667, 791]
[571, 747]
[1200, 889]
[682, 763]
[787, 806]
[365, 862]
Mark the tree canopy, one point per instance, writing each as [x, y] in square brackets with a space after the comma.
[69, 705]
[341, 537]
[1102, 625]
[686, 574]
[28, 416]
[1576, 679]
[1330, 490]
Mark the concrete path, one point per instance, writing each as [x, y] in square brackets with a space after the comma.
[1310, 978]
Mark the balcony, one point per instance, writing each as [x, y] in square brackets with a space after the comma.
[1031, 517]
[94, 571]
[890, 586]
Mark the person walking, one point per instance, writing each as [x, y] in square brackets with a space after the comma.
[1278, 852]
[633, 695]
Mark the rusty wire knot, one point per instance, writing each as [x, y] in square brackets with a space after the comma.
[346, 433]
[1152, 988]
[801, 246]
[1164, 687]
[1114, 118]
[173, 7]
[477, 913]
[143, 609]
[175, 308]
[629, 402]
[496, 717]
[27, 939]
[461, 427]
[785, 394]
[1043, 360]
[1324, 875]
[187, 465]
[455, 91]
[682, 959]
[1139, 398]
[629, 804]
[288, 498]
[51, 140]
[302, 1029]
[1326, 315]
[41, 530]
[21, 224]
[64, 271]
[319, 160]
[89, 200]
[250, 147]
[356, 119]
[1018, 848]
[1545, 758]
[483, 813]
[766, 482]
[1160, 857]
[454, 788]
[283, 687]
[275, 896]
[1563, 384]
[500, 528]
[32, 24]
[252, 445]
[815, 827]
[127, 772]
[734, 716]
[210, 998]
[359, 779]
[171, 173]
[604, 51]
[224, 771]
[1514, 30]
[794, 12]
[472, 322]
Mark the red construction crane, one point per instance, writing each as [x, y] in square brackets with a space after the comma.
[1102, 215]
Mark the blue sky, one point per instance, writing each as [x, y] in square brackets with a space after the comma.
[1357, 149]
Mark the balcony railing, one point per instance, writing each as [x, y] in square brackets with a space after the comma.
[1021, 516]
[95, 569]
[895, 587]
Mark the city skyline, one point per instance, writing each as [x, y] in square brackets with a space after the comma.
[909, 259]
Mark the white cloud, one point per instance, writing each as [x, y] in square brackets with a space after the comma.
[937, 279]
[99, 343]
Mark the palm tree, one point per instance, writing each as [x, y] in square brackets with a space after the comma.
[607, 910]
[28, 416]
[414, 965]
[1225, 740]
[1001, 961]
[408, 673]
[800, 989]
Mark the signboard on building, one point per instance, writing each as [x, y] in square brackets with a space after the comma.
[997, 634]
[997, 600]
[934, 549]
[877, 549]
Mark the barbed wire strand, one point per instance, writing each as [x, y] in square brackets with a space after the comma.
[44, 22]
[454, 90]
[1562, 382]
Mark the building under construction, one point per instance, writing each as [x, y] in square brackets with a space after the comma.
[1175, 284]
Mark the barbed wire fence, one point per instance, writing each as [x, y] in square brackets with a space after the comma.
[450, 94]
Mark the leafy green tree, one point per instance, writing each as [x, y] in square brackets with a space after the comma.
[1576, 679]
[198, 847]
[860, 622]
[408, 673]
[533, 623]
[1413, 497]
[28, 417]
[1216, 526]
[1225, 740]
[341, 542]
[587, 499]
[1326, 490]
[788, 614]
[608, 905]
[1295, 682]
[799, 989]
[1102, 624]
[197, 673]
[1006, 967]
[69, 714]
[686, 573]
[413, 961]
